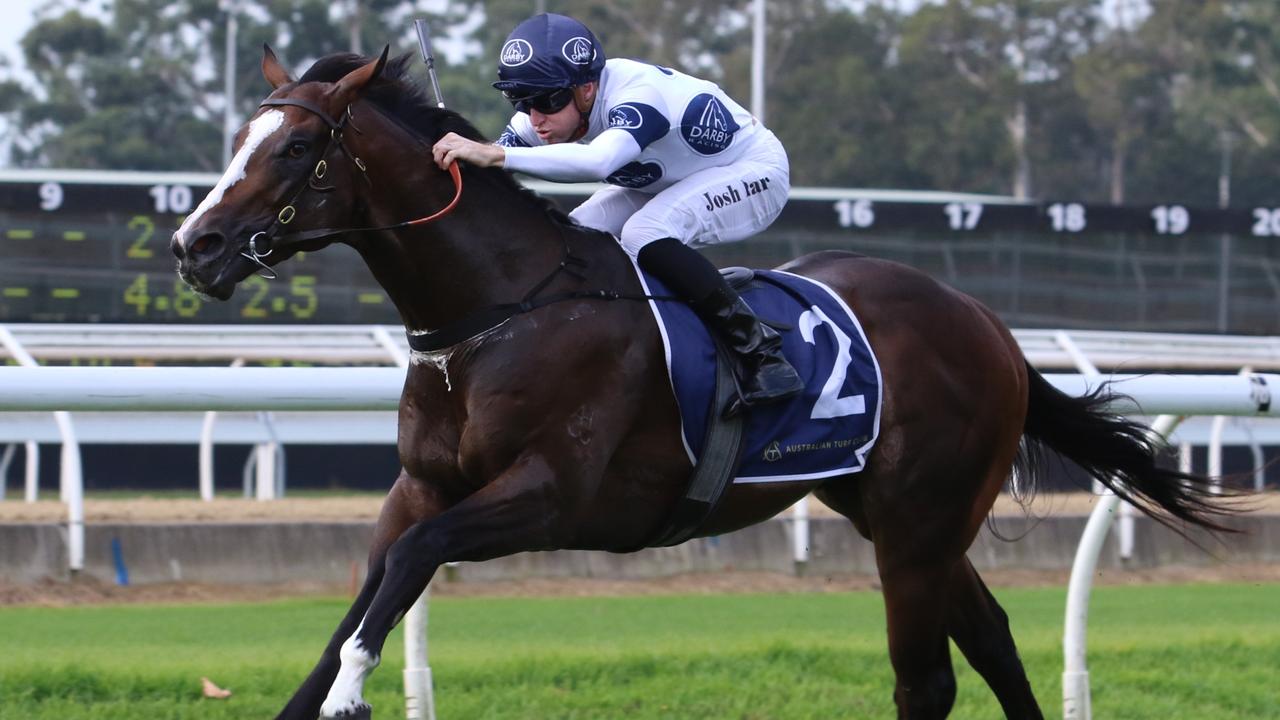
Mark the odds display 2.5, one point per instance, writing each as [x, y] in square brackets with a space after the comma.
[86, 252]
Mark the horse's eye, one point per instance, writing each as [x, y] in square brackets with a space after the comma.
[297, 149]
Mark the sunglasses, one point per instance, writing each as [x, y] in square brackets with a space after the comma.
[547, 103]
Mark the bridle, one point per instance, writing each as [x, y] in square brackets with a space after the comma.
[457, 331]
[315, 178]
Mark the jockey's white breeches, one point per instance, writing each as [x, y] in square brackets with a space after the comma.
[712, 206]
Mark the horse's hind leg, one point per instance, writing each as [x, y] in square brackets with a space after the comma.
[915, 556]
[981, 630]
[930, 589]
[916, 609]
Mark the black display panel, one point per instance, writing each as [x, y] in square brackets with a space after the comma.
[854, 214]
[84, 251]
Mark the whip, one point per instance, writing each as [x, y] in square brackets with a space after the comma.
[424, 44]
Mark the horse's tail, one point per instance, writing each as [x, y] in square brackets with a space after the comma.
[1117, 452]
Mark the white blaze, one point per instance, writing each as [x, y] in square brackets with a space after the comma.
[259, 130]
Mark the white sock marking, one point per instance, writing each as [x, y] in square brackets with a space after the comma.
[345, 695]
[259, 130]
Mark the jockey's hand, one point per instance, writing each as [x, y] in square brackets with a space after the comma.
[453, 147]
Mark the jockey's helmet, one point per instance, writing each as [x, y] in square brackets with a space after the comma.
[548, 52]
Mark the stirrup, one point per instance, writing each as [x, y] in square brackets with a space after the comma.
[740, 401]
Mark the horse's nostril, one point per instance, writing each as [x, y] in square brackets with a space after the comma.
[205, 244]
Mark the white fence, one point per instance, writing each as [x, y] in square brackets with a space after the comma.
[384, 345]
[157, 389]
[147, 389]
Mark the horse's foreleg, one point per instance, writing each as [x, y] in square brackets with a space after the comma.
[395, 517]
[517, 511]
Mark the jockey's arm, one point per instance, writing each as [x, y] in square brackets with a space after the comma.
[565, 162]
[575, 162]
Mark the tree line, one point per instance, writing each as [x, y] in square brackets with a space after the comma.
[1123, 101]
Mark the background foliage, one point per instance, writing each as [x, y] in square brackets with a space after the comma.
[1098, 100]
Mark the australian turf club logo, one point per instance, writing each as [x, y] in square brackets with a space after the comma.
[516, 52]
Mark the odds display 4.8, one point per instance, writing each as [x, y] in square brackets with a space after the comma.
[99, 252]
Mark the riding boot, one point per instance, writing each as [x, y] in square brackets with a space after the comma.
[765, 375]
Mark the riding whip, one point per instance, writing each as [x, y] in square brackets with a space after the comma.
[424, 43]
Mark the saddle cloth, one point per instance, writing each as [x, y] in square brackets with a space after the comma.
[829, 428]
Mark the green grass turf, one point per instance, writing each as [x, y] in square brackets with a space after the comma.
[1197, 651]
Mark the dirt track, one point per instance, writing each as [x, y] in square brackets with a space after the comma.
[94, 592]
[366, 508]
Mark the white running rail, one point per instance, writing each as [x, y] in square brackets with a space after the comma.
[267, 389]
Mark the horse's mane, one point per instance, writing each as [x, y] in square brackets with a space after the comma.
[405, 100]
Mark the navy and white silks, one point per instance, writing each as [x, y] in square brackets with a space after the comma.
[681, 159]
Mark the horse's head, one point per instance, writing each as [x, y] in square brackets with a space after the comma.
[290, 164]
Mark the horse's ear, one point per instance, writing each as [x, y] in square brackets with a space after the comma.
[350, 87]
[272, 70]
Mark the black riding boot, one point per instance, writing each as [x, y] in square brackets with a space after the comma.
[765, 374]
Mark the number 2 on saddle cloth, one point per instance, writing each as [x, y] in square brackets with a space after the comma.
[826, 430]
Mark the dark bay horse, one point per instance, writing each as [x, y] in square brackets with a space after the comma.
[558, 429]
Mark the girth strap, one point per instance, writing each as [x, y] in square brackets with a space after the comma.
[721, 452]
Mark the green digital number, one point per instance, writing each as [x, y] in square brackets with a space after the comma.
[304, 288]
[146, 227]
[254, 309]
[185, 301]
[136, 294]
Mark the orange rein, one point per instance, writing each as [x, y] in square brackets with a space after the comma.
[457, 195]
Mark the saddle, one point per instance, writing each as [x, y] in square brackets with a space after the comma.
[825, 431]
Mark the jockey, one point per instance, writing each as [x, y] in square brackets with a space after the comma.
[684, 164]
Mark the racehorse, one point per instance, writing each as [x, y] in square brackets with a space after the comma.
[501, 455]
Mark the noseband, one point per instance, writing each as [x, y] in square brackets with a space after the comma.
[289, 212]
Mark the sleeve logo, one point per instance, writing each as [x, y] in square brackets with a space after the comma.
[510, 138]
[627, 117]
[516, 52]
[636, 174]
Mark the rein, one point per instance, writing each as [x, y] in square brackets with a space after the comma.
[423, 340]
[492, 316]
[287, 214]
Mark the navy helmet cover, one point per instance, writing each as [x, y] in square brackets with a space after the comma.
[548, 51]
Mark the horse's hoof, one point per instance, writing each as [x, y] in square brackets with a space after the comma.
[361, 712]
